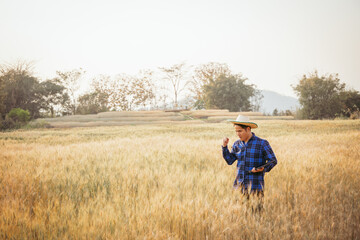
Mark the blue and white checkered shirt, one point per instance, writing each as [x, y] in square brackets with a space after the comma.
[254, 153]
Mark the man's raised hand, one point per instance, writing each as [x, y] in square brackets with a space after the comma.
[225, 141]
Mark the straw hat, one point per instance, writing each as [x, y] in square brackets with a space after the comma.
[243, 120]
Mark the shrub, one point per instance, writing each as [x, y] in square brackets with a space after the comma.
[8, 123]
[16, 118]
[38, 124]
[355, 115]
[19, 115]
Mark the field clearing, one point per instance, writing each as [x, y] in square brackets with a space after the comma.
[169, 181]
[219, 113]
[253, 118]
[149, 117]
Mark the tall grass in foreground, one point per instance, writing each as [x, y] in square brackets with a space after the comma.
[170, 181]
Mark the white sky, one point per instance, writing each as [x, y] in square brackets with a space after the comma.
[272, 42]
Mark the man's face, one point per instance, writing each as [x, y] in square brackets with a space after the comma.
[243, 134]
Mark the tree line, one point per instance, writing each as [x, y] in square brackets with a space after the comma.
[325, 97]
[210, 85]
[24, 96]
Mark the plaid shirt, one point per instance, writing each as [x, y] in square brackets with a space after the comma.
[249, 155]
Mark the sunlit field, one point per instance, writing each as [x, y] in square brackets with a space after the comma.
[150, 117]
[169, 181]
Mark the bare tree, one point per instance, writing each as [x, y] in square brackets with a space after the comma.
[256, 100]
[120, 97]
[20, 66]
[176, 76]
[71, 81]
[142, 88]
[105, 86]
[101, 84]
[125, 92]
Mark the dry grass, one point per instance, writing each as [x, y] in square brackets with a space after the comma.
[252, 118]
[122, 122]
[170, 182]
[137, 114]
[143, 117]
[218, 113]
[114, 119]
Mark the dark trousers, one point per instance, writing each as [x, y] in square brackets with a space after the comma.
[254, 199]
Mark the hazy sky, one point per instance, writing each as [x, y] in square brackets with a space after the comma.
[273, 43]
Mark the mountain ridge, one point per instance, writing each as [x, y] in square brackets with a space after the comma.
[274, 100]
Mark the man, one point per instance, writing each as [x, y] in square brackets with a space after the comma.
[250, 151]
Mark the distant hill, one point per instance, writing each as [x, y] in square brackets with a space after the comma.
[274, 100]
[270, 101]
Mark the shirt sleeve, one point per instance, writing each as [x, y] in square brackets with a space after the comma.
[269, 155]
[229, 157]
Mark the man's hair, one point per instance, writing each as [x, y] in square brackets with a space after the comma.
[243, 126]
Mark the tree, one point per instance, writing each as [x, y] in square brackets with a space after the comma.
[23, 90]
[142, 88]
[19, 88]
[121, 96]
[175, 75]
[320, 96]
[53, 96]
[102, 85]
[71, 81]
[3, 95]
[206, 74]
[124, 92]
[114, 92]
[256, 100]
[92, 103]
[350, 100]
[229, 92]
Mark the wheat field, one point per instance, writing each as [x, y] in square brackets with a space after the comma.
[149, 117]
[169, 181]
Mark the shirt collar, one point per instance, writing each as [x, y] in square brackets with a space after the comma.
[251, 138]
